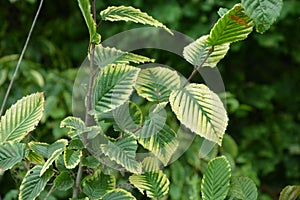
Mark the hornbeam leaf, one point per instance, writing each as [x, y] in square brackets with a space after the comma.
[107, 56]
[263, 12]
[156, 84]
[72, 158]
[157, 136]
[242, 188]
[118, 194]
[128, 13]
[98, 184]
[50, 160]
[113, 87]
[196, 52]
[201, 110]
[216, 179]
[290, 192]
[33, 184]
[123, 152]
[155, 183]
[63, 181]
[21, 118]
[10, 154]
[85, 8]
[233, 26]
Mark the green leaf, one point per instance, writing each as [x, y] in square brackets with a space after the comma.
[127, 117]
[63, 181]
[45, 149]
[76, 144]
[105, 56]
[21, 118]
[40, 148]
[196, 52]
[85, 8]
[156, 84]
[200, 110]
[11, 195]
[34, 157]
[215, 182]
[156, 183]
[263, 12]
[243, 188]
[128, 13]
[32, 184]
[290, 192]
[157, 136]
[233, 26]
[90, 162]
[11, 153]
[123, 152]
[118, 194]
[150, 164]
[98, 184]
[72, 158]
[50, 160]
[113, 87]
[76, 126]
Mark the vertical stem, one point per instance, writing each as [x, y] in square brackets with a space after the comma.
[88, 107]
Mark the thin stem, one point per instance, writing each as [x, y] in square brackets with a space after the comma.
[197, 68]
[78, 179]
[21, 57]
[88, 118]
[50, 191]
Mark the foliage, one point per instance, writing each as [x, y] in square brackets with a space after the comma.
[242, 106]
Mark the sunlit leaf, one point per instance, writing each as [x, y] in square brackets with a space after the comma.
[123, 152]
[157, 136]
[113, 87]
[201, 110]
[155, 183]
[233, 26]
[196, 52]
[105, 56]
[85, 8]
[21, 118]
[128, 13]
[156, 84]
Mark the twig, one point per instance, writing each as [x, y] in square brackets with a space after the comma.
[197, 68]
[88, 107]
[21, 57]
[50, 191]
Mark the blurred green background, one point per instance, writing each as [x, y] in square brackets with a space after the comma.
[261, 76]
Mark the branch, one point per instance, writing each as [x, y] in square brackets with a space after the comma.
[88, 117]
[21, 57]
[197, 68]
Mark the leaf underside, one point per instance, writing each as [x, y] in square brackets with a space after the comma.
[200, 110]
